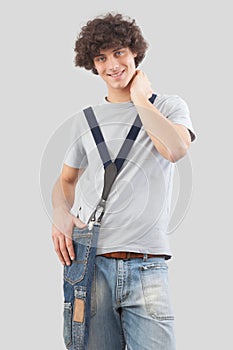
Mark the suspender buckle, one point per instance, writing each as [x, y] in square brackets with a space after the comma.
[100, 209]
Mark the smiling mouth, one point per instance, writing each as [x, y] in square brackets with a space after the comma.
[116, 75]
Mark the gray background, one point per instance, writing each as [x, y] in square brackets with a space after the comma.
[189, 55]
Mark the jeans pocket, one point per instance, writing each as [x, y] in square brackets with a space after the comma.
[154, 279]
[67, 326]
[82, 239]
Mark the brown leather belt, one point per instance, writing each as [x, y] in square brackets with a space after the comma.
[129, 255]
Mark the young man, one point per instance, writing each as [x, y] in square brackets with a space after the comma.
[130, 296]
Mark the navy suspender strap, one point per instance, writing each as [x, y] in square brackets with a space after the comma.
[111, 169]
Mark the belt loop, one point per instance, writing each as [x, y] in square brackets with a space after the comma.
[145, 257]
[128, 256]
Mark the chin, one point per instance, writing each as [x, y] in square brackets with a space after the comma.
[122, 85]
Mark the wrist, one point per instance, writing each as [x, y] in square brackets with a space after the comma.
[62, 209]
[141, 100]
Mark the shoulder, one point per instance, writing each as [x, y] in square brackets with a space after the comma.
[166, 103]
[169, 100]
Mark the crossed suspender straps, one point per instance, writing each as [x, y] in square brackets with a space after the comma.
[111, 169]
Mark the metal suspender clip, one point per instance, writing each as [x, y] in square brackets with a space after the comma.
[100, 208]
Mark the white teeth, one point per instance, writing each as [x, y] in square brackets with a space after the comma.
[116, 75]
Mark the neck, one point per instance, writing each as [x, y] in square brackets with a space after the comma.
[118, 96]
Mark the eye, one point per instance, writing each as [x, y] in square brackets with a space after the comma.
[119, 53]
[100, 59]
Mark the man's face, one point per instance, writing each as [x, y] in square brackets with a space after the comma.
[116, 67]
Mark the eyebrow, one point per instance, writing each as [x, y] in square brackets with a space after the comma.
[114, 50]
[119, 48]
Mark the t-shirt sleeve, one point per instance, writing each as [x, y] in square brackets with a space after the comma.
[76, 155]
[178, 112]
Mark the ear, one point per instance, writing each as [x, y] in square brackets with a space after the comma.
[94, 70]
[135, 54]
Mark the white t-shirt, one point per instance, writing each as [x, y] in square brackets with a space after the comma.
[138, 207]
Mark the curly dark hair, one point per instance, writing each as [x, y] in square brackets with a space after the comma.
[106, 32]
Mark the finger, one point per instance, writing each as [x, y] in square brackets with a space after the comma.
[70, 248]
[63, 250]
[57, 250]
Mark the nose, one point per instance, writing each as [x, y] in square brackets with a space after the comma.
[113, 64]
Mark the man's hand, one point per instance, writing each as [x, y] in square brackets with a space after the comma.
[62, 228]
[140, 87]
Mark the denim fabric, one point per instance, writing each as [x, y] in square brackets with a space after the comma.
[77, 288]
[131, 305]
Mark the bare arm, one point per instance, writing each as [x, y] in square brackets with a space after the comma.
[63, 195]
[171, 140]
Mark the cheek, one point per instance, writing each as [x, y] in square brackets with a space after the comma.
[132, 67]
[131, 64]
[98, 68]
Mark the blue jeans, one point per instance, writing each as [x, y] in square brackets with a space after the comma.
[130, 305]
[77, 287]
